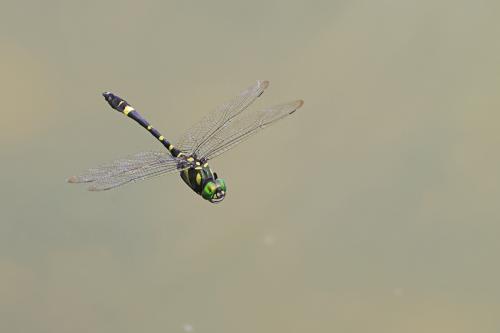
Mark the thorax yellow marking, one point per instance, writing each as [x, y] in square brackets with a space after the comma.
[186, 174]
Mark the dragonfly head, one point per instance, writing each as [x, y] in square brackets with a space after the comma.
[214, 191]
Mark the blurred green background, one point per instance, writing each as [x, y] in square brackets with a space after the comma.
[373, 209]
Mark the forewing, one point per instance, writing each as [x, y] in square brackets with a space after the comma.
[201, 133]
[240, 128]
[134, 168]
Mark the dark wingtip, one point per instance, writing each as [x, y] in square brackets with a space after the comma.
[72, 179]
[298, 105]
[263, 84]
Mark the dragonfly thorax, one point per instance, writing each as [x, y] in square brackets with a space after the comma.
[200, 178]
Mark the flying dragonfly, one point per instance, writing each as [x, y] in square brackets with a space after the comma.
[215, 134]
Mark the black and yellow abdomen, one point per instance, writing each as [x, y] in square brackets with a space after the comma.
[120, 105]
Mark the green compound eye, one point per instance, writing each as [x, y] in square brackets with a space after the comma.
[209, 190]
[222, 184]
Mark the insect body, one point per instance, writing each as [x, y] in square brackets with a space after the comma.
[218, 132]
[204, 182]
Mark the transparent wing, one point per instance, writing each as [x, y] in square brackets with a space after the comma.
[198, 135]
[240, 128]
[134, 168]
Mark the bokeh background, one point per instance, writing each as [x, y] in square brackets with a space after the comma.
[375, 208]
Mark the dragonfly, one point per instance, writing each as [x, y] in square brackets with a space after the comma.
[220, 130]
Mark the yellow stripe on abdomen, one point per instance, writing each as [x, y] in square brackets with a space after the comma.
[127, 110]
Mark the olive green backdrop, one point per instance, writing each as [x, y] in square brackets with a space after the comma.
[372, 209]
